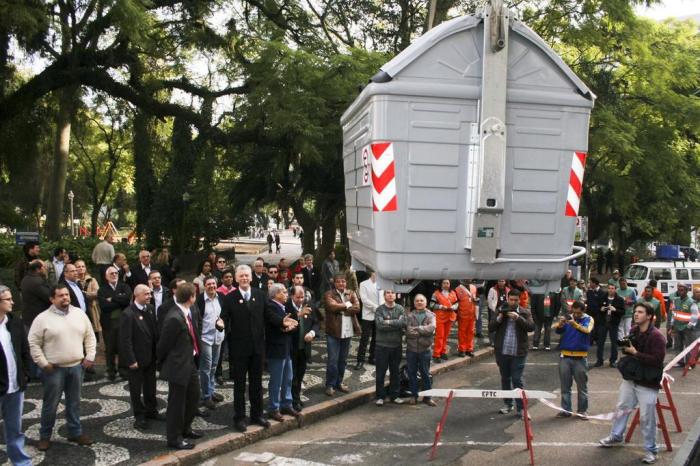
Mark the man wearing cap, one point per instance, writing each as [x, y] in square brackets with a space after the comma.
[615, 279]
[683, 320]
[630, 297]
[570, 295]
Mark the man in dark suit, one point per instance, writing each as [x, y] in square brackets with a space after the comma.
[137, 351]
[278, 348]
[259, 278]
[35, 292]
[168, 303]
[77, 295]
[299, 307]
[14, 361]
[178, 354]
[138, 274]
[114, 297]
[312, 279]
[159, 293]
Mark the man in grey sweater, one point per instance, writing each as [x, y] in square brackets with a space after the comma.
[389, 322]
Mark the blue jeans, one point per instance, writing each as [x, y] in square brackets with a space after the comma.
[338, 349]
[632, 394]
[68, 380]
[280, 386]
[387, 358]
[511, 369]
[11, 406]
[571, 369]
[418, 362]
[208, 359]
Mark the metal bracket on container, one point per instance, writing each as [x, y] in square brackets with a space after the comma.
[580, 251]
[494, 84]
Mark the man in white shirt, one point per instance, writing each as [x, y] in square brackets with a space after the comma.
[15, 353]
[371, 298]
[102, 255]
[157, 290]
[210, 304]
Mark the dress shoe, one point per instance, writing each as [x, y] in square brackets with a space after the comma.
[613, 364]
[261, 421]
[343, 388]
[330, 391]
[219, 380]
[201, 413]
[290, 411]
[217, 397]
[598, 364]
[470, 354]
[429, 402]
[240, 426]
[111, 377]
[82, 439]
[359, 366]
[193, 434]
[183, 445]
[275, 415]
[156, 417]
[141, 423]
[297, 407]
[44, 444]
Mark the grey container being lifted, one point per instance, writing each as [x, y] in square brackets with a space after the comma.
[472, 200]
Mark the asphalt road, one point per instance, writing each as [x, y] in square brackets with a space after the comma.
[474, 432]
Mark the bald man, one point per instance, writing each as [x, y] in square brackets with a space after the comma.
[137, 351]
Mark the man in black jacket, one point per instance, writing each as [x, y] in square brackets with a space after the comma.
[114, 297]
[259, 278]
[612, 308]
[14, 363]
[299, 307]
[137, 351]
[594, 300]
[35, 299]
[511, 324]
[168, 302]
[278, 349]
[178, 354]
[139, 273]
[312, 278]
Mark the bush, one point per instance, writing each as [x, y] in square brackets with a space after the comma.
[82, 247]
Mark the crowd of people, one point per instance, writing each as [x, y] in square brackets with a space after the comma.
[266, 316]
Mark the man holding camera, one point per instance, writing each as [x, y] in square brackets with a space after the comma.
[511, 325]
[612, 309]
[575, 329]
[642, 371]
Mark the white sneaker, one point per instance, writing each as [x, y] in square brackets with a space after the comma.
[397, 401]
[379, 402]
[609, 441]
[649, 458]
[505, 410]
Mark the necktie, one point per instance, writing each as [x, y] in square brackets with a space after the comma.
[301, 328]
[192, 335]
[246, 295]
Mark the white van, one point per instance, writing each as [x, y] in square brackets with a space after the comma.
[666, 274]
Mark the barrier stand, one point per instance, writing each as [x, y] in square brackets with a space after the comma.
[472, 393]
[528, 428]
[693, 359]
[441, 424]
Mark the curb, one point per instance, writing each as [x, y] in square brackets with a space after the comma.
[318, 412]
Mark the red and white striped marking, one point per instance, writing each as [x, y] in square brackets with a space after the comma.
[383, 177]
[573, 198]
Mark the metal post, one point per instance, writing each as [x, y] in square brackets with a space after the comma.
[71, 196]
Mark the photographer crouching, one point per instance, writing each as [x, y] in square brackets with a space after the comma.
[642, 371]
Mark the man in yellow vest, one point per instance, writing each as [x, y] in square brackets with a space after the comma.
[684, 320]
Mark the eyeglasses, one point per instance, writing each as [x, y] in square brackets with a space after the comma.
[220, 262]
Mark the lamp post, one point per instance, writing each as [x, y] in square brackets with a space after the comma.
[185, 200]
[71, 196]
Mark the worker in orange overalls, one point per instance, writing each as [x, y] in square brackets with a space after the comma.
[444, 304]
[466, 317]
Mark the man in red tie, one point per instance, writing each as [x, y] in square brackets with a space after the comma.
[178, 354]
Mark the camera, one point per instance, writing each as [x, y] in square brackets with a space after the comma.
[568, 316]
[625, 342]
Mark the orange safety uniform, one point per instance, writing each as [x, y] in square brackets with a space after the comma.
[443, 321]
[662, 302]
[466, 317]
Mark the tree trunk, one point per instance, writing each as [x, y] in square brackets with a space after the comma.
[143, 171]
[328, 228]
[54, 214]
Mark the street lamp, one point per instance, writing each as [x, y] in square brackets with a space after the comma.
[185, 200]
[71, 196]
